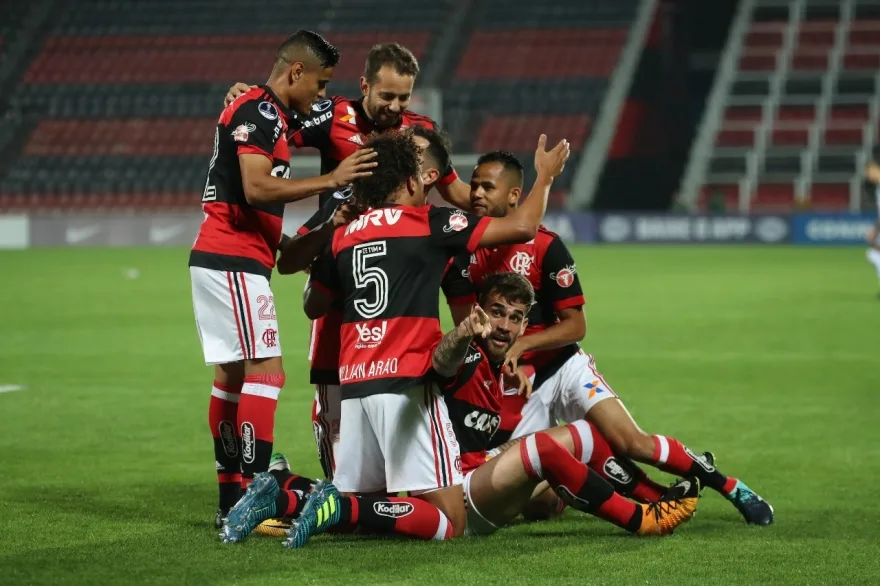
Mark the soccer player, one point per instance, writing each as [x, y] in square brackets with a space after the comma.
[233, 255]
[872, 176]
[567, 385]
[338, 125]
[300, 251]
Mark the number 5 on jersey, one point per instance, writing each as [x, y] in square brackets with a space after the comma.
[364, 276]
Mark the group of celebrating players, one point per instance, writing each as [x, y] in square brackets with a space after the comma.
[504, 415]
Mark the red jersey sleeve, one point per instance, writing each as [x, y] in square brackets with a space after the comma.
[456, 231]
[560, 284]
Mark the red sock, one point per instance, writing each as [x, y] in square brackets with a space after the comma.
[546, 459]
[670, 455]
[288, 503]
[222, 417]
[256, 422]
[626, 477]
[410, 517]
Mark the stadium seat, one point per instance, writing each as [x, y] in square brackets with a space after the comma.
[518, 133]
[833, 197]
[773, 197]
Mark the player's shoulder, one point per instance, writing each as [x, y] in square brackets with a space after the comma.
[411, 118]
[258, 106]
[544, 238]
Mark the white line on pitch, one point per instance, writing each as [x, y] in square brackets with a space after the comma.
[12, 388]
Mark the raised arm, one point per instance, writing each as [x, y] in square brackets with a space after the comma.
[450, 353]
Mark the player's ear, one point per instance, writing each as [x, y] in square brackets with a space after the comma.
[296, 71]
[365, 87]
[513, 196]
[411, 185]
[430, 177]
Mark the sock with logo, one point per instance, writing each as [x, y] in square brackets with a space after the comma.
[410, 517]
[287, 480]
[546, 459]
[256, 422]
[670, 455]
[222, 417]
[591, 448]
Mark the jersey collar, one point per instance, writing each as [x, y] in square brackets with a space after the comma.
[288, 113]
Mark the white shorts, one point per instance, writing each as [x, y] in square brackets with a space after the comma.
[235, 316]
[325, 420]
[397, 442]
[475, 524]
[564, 397]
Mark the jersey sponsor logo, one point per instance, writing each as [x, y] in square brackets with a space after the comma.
[248, 442]
[457, 222]
[522, 263]
[370, 337]
[227, 438]
[378, 218]
[282, 171]
[614, 470]
[480, 421]
[393, 510]
[242, 131]
[350, 116]
[565, 277]
[322, 105]
[356, 139]
[343, 194]
[277, 131]
[471, 357]
[700, 460]
[268, 110]
[317, 120]
[363, 370]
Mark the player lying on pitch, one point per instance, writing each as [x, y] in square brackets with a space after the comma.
[468, 363]
[567, 385]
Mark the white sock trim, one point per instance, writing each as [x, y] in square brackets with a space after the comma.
[441, 527]
[664, 449]
[224, 395]
[258, 390]
[586, 435]
[534, 458]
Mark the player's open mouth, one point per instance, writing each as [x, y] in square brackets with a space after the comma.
[499, 341]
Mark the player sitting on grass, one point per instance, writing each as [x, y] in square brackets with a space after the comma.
[567, 385]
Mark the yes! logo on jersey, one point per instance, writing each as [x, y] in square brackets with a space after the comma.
[565, 277]
[522, 263]
[457, 222]
[370, 337]
[243, 131]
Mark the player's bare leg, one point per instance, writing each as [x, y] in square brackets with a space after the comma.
[502, 487]
[222, 419]
[450, 502]
[668, 454]
[262, 384]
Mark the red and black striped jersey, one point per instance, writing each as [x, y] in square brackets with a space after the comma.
[339, 126]
[386, 266]
[545, 262]
[324, 342]
[236, 235]
[473, 399]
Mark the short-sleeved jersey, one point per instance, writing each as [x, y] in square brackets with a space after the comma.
[386, 266]
[236, 235]
[324, 343]
[545, 262]
[473, 399]
[339, 126]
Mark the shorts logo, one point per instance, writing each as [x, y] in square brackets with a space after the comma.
[270, 338]
[616, 471]
[268, 110]
[248, 447]
[393, 510]
[457, 222]
[594, 388]
[700, 460]
[565, 277]
[522, 263]
[242, 131]
[227, 438]
[458, 464]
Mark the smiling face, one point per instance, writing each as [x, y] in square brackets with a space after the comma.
[494, 190]
[387, 96]
[508, 321]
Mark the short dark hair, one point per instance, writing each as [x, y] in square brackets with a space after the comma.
[438, 146]
[875, 154]
[510, 286]
[309, 42]
[394, 54]
[506, 159]
[397, 156]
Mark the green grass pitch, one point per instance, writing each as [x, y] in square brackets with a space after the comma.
[770, 357]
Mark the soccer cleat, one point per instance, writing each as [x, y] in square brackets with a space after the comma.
[274, 527]
[278, 462]
[751, 506]
[322, 511]
[677, 506]
[257, 505]
[218, 518]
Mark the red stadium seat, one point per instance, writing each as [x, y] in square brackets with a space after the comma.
[829, 197]
[517, 133]
[773, 197]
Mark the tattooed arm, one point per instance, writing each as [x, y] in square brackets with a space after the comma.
[452, 349]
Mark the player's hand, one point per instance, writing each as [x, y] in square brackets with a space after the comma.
[511, 360]
[520, 379]
[235, 91]
[477, 323]
[551, 163]
[357, 164]
[345, 214]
